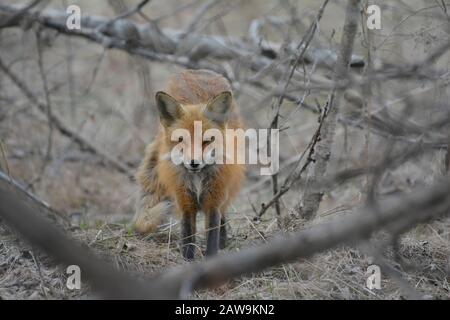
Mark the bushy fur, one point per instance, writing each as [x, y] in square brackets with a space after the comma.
[166, 187]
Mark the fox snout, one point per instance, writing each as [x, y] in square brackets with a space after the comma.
[194, 165]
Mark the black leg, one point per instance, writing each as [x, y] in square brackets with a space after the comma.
[188, 236]
[212, 234]
[223, 233]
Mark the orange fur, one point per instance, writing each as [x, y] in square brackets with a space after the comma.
[163, 182]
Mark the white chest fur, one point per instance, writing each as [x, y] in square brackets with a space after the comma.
[194, 181]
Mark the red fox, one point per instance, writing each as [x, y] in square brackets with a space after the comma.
[194, 185]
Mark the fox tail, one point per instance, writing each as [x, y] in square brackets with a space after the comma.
[150, 216]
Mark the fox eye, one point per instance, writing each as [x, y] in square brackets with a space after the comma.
[180, 139]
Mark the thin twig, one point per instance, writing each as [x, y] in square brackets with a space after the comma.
[62, 127]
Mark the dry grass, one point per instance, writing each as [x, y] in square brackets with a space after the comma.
[338, 274]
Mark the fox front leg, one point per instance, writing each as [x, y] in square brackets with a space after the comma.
[212, 233]
[188, 209]
[188, 236]
[223, 233]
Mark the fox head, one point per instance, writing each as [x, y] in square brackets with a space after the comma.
[194, 132]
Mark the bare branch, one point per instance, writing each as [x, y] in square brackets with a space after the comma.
[62, 127]
[26, 214]
[396, 216]
[311, 199]
[302, 47]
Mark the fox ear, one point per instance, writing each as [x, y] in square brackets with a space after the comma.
[168, 108]
[219, 107]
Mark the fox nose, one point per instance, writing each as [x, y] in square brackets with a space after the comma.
[194, 164]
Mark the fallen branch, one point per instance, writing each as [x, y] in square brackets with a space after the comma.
[148, 39]
[25, 213]
[396, 216]
[8, 183]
